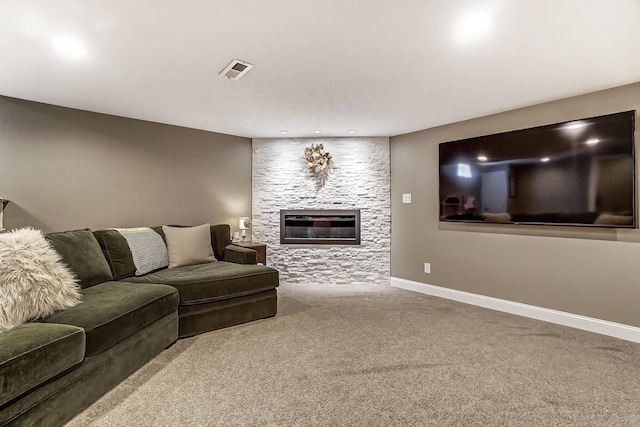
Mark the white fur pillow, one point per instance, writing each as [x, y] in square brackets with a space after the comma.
[34, 283]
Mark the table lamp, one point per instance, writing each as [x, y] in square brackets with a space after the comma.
[244, 223]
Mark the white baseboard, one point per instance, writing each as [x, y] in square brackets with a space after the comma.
[617, 330]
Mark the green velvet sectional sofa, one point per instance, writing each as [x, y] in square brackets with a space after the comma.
[52, 369]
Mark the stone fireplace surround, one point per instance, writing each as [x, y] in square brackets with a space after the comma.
[358, 178]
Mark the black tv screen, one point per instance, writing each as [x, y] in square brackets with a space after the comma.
[580, 172]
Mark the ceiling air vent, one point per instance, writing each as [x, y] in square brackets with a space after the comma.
[236, 69]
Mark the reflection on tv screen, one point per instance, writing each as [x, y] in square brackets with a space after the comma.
[580, 172]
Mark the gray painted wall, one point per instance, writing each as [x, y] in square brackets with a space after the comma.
[65, 169]
[590, 272]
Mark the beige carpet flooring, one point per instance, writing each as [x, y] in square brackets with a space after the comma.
[340, 355]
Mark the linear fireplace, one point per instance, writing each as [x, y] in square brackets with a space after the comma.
[320, 227]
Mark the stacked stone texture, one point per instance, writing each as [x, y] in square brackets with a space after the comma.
[357, 178]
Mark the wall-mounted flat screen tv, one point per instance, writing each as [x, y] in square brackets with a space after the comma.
[580, 172]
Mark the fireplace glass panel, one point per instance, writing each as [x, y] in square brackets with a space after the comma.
[320, 227]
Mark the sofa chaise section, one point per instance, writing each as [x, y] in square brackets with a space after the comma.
[213, 295]
[219, 294]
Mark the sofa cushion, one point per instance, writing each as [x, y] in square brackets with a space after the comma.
[220, 238]
[148, 249]
[33, 281]
[188, 245]
[117, 253]
[81, 252]
[32, 353]
[214, 281]
[113, 311]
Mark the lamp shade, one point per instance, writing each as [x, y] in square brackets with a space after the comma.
[244, 223]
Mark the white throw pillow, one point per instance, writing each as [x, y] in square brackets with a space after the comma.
[189, 245]
[34, 283]
[147, 249]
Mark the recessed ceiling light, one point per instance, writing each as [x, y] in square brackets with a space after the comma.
[545, 159]
[575, 125]
[316, 131]
[284, 132]
[69, 46]
[592, 141]
[482, 158]
[474, 24]
[351, 131]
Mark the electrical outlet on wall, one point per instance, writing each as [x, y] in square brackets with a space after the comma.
[406, 198]
[427, 267]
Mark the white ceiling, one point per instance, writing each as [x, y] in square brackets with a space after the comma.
[379, 67]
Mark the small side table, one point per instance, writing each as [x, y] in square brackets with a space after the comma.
[261, 248]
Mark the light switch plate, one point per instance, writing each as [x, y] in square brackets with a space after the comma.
[406, 198]
[427, 267]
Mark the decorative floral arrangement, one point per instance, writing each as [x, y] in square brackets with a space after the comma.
[317, 158]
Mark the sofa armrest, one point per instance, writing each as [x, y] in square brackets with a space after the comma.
[240, 255]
